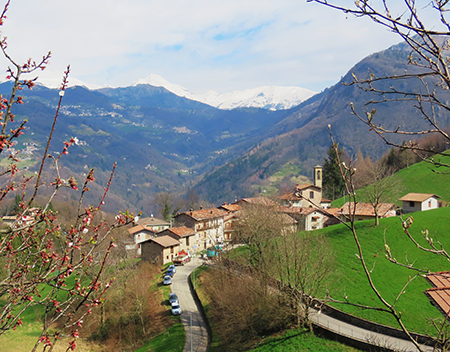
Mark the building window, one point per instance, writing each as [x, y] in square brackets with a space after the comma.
[171, 249]
[187, 241]
[318, 174]
[311, 194]
[411, 204]
[429, 204]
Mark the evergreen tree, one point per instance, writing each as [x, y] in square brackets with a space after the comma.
[333, 184]
[16, 206]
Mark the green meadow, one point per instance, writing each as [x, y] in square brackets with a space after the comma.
[349, 280]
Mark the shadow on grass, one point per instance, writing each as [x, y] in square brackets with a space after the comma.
[275, 341]
[165, 303]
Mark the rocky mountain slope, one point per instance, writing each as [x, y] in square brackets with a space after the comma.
[302, 137]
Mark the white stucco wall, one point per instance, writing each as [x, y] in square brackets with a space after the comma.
[430, 203]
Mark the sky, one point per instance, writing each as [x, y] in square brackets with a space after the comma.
[201, 45]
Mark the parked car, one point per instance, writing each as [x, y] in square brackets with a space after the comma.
[167, 280]
[170, 273]
[173, 298]
[176, 309]
[172, 267]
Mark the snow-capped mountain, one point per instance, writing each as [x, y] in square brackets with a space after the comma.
[266, 97]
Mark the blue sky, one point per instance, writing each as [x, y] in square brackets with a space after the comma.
[201, 45]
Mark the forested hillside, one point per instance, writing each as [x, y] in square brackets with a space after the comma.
[303, 137]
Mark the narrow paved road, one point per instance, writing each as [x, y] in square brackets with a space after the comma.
[355, 332]
[196, 333]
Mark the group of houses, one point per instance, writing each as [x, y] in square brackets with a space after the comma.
[303, 209]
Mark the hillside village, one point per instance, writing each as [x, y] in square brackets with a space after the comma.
[348, 255]
[304, 209]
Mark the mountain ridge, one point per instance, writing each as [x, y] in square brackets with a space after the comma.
[264, 97]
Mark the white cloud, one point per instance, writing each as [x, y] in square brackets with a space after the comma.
[202, 45]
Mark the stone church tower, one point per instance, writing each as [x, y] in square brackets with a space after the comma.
[318, 176]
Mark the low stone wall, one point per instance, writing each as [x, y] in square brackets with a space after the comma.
[349, 341]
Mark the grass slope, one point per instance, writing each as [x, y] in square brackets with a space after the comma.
[418, 178]
[300, 340]
[171, 340]
[348, 278]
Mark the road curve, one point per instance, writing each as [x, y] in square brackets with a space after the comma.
[196, 332]
[360, 334]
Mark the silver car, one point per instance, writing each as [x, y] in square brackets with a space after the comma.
[176, 309]
[167, 280]
[173, 298]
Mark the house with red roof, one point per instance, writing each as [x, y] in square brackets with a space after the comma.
[188, 237]
[207, 223]
[365, 211]
[256, 201]
[307, 195]
[229, 221]
[141, 233]
[307, 219]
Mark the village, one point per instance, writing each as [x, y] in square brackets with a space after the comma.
[206, 231]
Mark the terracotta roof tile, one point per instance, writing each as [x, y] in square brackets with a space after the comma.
[439, 279]
[181, 231]
[298, 210]
[231, 207]
[365, 209]
[259, 201]
[206, 213]
[305, 186]
[440, 294]
[417, 197]
[289, 196]
[139, 228]
[333, 211]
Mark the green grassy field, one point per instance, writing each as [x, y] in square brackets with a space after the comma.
[348, 278]
[418, 178]
[300, 340]
[170, 340]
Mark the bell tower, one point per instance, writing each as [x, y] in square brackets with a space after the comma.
[318, 176]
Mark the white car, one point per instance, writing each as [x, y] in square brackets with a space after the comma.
[167, 280]
[176, 309]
